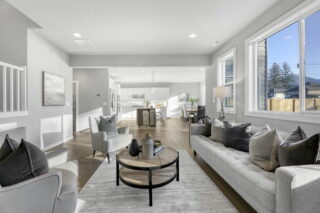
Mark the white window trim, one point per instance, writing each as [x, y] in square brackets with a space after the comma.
[220, 78]
[295, 15]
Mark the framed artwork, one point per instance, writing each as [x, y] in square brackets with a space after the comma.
[183, 97]
[53, 90]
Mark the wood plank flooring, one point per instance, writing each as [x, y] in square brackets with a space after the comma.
[174, 133]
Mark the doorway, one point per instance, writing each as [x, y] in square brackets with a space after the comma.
[75, 106]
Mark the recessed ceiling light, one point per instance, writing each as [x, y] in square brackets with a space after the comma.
[77, 35]
[142, 71]
[192, 35]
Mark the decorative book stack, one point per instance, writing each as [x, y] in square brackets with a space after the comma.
[158, 149]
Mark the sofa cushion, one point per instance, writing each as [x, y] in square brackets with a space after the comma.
[237, 136]
[108, 125]
[299, 153]
[26, 162]
[9, 146]
[255, 185]
[264, 149]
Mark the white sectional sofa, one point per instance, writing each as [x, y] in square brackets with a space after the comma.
[294, 189]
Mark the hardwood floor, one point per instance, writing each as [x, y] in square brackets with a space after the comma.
[174, 133]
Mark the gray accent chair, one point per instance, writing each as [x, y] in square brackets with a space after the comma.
[54, 192]
[106, 144]
[290, 189]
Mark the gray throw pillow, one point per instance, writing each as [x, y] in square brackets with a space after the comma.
[296, 136]
[27, 162]
[217, 131]
[237, 136]
[108, 125]
[263, 148]
[207, 123]
[9, 145]
[299, 153]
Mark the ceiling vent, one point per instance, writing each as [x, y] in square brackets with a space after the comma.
[84, 43]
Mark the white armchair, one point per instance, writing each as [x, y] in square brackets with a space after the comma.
[103, 143]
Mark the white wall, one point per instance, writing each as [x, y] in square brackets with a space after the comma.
[55, 121]
[239, 42]
[45, 126]
[13, 35]
[175, 90]
[91, 83]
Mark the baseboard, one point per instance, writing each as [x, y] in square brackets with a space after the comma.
[57, 143]
[68, 139]
[53, 145]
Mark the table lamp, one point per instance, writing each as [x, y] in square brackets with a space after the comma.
[221, 92]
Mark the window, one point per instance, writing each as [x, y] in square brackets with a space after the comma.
[278, 71]
[312, 62]
[283, 67]
[226, 77]
[13, 90]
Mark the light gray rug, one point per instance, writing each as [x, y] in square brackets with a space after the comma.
[195, 192]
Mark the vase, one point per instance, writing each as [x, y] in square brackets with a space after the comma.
[147, 147]
[134, 148]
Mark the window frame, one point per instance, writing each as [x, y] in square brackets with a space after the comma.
[221, 78]
[298, 14]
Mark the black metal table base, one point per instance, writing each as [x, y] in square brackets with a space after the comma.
[150, 186]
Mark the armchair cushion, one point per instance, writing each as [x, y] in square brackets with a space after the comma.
[31, 160]
[123, 130]
[117, 142]
[108, 125]
[9, 145]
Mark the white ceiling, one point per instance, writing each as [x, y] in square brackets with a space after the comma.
[132, 27]
[161, 74]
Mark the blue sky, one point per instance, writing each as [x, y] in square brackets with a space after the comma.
[284, 46]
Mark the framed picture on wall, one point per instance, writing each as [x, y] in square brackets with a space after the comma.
[183, 97]
[53, 90]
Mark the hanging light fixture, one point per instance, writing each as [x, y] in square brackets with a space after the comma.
[153, 88]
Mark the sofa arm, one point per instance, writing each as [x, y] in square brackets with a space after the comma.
[57, 157]
[123, 130]
[35, 195]
[298, 189]
[197, 129]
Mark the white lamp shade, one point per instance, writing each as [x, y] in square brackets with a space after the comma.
[221, 92]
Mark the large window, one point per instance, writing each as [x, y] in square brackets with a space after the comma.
[226, 77]
[278, 71]
[283, 65]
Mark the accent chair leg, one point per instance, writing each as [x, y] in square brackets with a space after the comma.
[108, 156]
[94, 153]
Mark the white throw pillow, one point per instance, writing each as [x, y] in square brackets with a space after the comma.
[217, 130]
[263, 148]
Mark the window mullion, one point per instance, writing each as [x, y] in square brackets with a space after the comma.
[302, 65]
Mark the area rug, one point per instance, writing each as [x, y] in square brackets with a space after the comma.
[195, 192]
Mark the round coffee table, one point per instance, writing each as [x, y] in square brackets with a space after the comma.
[148, 174]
